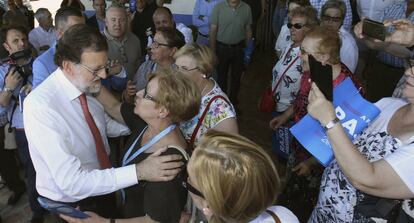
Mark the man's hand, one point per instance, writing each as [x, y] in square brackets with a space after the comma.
[159, 168]
[13, 79]
[129, 91]
[115, 67]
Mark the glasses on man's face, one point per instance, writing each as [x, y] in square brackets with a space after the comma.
[328, 18]
[192, 189]
[185, 69]
[147, 96]
[95, 72]
[296, 25]
[156, 44]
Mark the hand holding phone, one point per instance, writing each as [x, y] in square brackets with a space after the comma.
[373, 29]
[61, 208]
[322, 76]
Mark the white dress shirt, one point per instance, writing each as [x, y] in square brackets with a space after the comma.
[62, 147]
[40, 37]
[349, 50]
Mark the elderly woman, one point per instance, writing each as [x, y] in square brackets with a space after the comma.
[323, 44]
[241, 184]
[284, 39]
[288, 71]
[379, 162]
[166, 42]
[153, 122]
[332, 15]
[216, 111]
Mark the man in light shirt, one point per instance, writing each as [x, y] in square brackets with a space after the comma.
[65, 145]
[123, 45]
[43, 36]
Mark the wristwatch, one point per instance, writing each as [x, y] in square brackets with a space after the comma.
[331, 124]
[8, 90]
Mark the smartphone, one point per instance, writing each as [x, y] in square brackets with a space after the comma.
[374, 29]
[61, 208]
[322, 76]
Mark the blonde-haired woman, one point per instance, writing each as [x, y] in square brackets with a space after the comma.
[231, 179]
[241, 183]
[216, 111]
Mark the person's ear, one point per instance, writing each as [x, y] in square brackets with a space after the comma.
[68, 67]
[7, 47]
[173, 51]
[163, 112]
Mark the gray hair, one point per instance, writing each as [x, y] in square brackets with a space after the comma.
[41, 13]
[115, 5]
[337, 4]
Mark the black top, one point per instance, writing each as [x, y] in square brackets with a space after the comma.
[162, 201]
[141, 22]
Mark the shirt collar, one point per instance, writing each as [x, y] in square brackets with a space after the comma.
[70, 90]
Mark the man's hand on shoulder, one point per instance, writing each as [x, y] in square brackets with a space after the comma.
[159, 168]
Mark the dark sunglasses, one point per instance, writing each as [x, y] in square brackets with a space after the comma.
[192, 189]
[331, 18]
[296, 25]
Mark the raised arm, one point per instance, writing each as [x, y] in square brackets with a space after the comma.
[376, 178]
[111, 105]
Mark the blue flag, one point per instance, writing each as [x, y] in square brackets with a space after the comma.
[354, 112]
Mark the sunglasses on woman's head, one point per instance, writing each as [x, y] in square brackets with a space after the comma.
[296, 25]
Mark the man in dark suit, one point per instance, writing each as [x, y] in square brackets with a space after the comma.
[98, 20]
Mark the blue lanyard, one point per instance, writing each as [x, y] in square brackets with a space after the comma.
[127, 158]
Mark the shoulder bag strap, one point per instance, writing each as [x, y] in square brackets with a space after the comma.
[283, 74]
[274, 216]
[200, 120]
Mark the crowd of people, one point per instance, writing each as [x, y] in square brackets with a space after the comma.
[130, 116]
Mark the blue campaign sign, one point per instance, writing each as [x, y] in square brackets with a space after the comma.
[354, 112]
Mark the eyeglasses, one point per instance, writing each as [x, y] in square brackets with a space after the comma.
[96, 71]
[331, 18]
[184, 68]
[192, 189]
[296, 25]
[147, 96]
[157, 44]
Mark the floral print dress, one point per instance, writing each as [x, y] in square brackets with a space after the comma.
[218, 111]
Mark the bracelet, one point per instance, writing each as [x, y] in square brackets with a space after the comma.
[331, 124]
